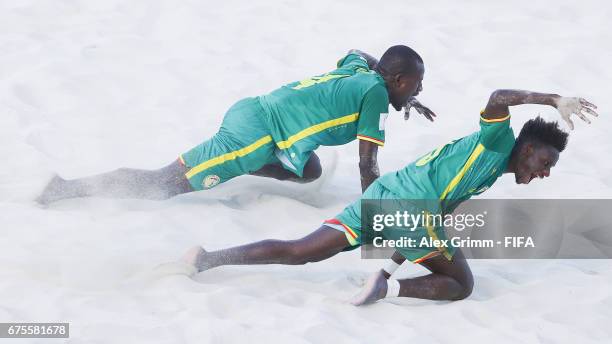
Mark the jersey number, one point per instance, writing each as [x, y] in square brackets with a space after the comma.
[317, 80]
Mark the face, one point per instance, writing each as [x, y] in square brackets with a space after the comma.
[535, 161]
[402, 87]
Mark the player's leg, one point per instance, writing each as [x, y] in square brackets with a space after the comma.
[321, 244]
[242, 145]
[449, 280]
[312, 171]
[157, 184]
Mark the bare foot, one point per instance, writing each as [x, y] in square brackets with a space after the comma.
[196, 257]
[374, 290]
[54, 191]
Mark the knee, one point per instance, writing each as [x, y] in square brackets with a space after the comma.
[465, 289]
[297, 255]
[312, 171]
[311, 176]
[464, 293]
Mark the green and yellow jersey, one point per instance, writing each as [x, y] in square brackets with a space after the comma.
[459, 169]
[438, 182]
[331, 109]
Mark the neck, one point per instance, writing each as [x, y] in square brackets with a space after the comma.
[511, 168]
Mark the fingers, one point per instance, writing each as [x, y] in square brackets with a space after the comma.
[586, 103]
[425, 111]
[583, 117]
[429, 114]
[570, 123]
[589, 111]
[406, 113]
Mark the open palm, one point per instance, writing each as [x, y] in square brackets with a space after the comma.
[574, 105]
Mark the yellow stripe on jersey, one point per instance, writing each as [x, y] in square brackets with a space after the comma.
[494, 120]
[434, 236]
[455, 181]
[316, 129]
[229, 156]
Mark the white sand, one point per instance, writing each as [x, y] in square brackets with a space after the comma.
[89, 86]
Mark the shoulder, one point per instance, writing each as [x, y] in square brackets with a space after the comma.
[353, 60]
[377, 92]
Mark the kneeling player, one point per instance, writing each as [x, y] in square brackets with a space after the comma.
[452, 173]
[275, 135]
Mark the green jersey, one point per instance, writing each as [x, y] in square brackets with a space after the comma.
[458, 170]
[331, 109]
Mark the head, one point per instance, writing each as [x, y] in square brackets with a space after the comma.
[537, 150]
[403, 70]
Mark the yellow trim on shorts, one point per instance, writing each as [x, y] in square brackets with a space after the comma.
[433, 235]
[239, 153]
[316, 129]
[371, 139]
[455, 181]
[350, 239]
[350, 234]
[425, 257]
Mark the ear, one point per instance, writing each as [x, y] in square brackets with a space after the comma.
[399, 80]
[528, 149]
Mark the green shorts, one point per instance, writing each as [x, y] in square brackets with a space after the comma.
[349, 222]
[242, 145]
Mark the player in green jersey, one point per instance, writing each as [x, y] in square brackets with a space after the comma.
[275, 135]
[449, 175]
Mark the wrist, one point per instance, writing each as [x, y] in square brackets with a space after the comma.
[554, 100]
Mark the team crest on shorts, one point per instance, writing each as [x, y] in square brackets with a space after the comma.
[210, 181]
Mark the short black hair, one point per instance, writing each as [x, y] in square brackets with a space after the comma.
[400, 59]
[540, 131]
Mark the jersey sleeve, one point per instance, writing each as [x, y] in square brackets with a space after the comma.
[353, 61]
[373, 114]
[496, 134]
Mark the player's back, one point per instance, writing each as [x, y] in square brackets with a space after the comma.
[457, 170]
[329, 109]
[334, 96]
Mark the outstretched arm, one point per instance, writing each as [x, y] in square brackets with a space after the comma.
[501, 100]
[368, 163]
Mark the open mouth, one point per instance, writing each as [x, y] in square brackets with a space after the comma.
[527, 179]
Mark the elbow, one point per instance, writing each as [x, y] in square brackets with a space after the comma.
[498, 96]
[369, 168]
[495, 96]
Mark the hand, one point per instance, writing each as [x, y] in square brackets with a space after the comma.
[420, 108]
[574, 105]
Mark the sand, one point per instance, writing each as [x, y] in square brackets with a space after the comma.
[89, 86]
